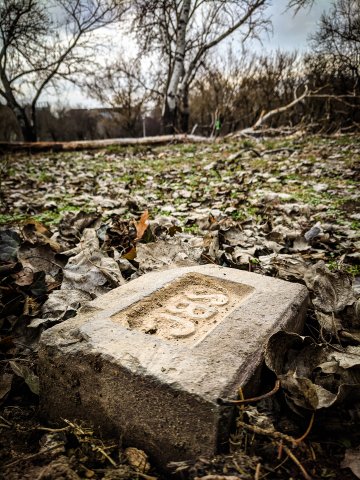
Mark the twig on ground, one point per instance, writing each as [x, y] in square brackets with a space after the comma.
[257, 471]
[267, 432]
[250, 400]
[53, 430]
[8, 424]
[278, 150]
[29, 457]
[307, 431]
[297, 462]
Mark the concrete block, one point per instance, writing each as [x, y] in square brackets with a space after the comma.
[149, 360]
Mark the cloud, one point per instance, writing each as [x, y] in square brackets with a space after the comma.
[292, 31]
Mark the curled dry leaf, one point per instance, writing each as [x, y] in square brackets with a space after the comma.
[72, 224]
[90, 270]
[345, 325]
[313, 375]
[60, 305]
[332, 290]
[287, 267]
[40, 258]
[9, 245]
[137, 459]
[5, 384]
[118, 234]
[301, 244]
[142, 225]
[36, 233]
[23, 371]
[352, 460]
[165, 254]
[313, 232]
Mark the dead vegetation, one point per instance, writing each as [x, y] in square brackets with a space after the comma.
[78, 224]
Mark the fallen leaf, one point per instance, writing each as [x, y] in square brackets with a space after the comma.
[60, 305]
[142, 225]
[73, 224]
[36, 233]
[5, 384]
[38, 287]
[23, 371]
[313, 232]
[314, 375]
[287, 267]
[25, 277]
[331, 290]
[137, 459]
[301, 244]
[41, 258]
[130, 255]
[91, 270]
[165, 254]
[352, 460]
[9, 245]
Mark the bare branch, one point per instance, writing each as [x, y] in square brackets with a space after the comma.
[38, 47]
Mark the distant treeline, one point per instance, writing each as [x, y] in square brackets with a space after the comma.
[78, 124]
[234, 92]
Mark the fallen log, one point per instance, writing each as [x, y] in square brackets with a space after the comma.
[34, 147]
[264, 116]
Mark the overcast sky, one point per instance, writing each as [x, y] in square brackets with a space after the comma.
[289, 33]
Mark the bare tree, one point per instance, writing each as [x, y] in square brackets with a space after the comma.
[333, 68]
[182, 33]
[240, 90]
[124, 86]
[42, 42]
[338, 36]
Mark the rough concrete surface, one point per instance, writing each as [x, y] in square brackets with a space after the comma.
[149, 360]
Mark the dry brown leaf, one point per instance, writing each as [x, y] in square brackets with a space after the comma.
[142, 225]
[352, 460]
[90, 270]
[36, 233]
[332, 291]
[24, 277]
[314, 375]
[5, 384]
[131, 254]
[137, 459]
[27, 374]
[32, 225]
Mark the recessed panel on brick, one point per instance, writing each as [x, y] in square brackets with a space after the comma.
[185, 310]
[149, 360]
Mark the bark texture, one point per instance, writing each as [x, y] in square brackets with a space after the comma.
[171, 101]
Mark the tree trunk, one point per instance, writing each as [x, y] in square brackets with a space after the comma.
[171, 97]
[29, 134]
[184, 110]
[28, 128]
[27, 125]
[168, 119]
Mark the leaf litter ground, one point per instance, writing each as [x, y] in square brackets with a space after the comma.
[75, 225]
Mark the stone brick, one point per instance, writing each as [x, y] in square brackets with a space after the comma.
[149, 360]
